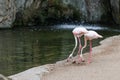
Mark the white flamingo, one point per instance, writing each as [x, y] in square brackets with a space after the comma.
[77, 32]
[90, 35]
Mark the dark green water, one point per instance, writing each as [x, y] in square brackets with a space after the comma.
[23, 48]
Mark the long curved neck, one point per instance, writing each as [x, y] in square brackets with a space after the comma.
[76, 43]
[85, 44]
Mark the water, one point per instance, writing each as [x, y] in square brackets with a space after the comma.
[23, 48]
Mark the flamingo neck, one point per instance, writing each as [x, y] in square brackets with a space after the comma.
[76, 43]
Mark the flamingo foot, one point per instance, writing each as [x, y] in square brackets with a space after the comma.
[69, 59]
[83, 60]
[74, 61]
[89, 61]
[79, 60]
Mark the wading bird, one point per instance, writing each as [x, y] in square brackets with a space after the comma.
[90, 35]
[77, 32]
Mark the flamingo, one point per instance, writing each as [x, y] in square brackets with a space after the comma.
[90, 35]
[77, 32]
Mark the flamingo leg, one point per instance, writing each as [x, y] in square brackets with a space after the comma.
[81, 55]
[79, 49]
[85, 44]
[90, 53]
[76, 43]
[80, 46]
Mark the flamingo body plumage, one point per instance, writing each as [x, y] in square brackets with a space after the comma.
[90, 35]
[77, 32]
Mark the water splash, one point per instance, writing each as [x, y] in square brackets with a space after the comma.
[66, 26]
[89, 27]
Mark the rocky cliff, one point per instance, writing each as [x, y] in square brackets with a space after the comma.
[10, 8]
[7, 13]
[96, 10]
[25, 12]
[115, 9]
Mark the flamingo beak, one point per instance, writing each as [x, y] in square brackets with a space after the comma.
[100, 36]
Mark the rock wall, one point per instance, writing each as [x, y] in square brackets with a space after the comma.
[115, 8]
[10, 8]
[7, 13]
[92, 10]
[23, 11]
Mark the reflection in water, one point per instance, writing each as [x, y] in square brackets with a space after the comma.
[21, 49]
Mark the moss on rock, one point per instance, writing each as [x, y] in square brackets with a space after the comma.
[48, 12]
